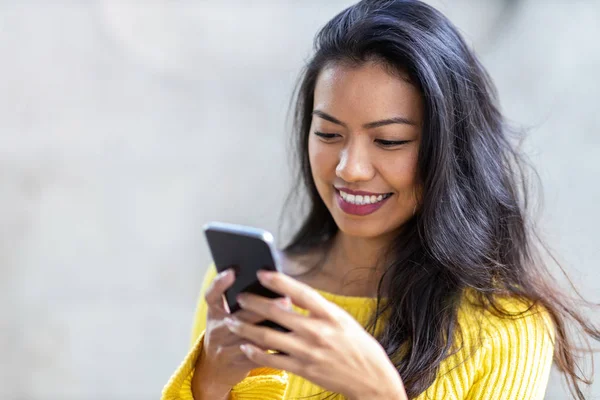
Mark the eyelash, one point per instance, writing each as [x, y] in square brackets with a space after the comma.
[382, 142]
[326, 135]
[391, 143]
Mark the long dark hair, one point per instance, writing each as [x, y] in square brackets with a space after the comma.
[472, 229]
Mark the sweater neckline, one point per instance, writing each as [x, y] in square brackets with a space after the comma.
[348, 300]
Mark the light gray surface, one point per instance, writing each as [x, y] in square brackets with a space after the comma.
[124, 127]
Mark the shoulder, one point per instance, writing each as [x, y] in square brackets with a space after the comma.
[507, 348]
[510, 323]
[505, 353]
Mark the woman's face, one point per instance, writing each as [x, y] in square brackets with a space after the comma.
[363, 147]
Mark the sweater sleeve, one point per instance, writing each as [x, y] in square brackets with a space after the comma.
[261, 383]
[516, 359]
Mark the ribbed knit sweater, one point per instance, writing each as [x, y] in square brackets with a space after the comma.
[496, 358]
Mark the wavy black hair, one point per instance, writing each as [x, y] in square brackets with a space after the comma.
[472, 229]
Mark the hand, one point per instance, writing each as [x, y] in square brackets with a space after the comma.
[222, 364]
[328, 347]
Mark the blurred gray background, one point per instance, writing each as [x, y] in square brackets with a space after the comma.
[126, 125]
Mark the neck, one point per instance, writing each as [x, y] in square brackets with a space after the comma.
[351, 253]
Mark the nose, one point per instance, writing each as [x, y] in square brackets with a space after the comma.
[355, 163]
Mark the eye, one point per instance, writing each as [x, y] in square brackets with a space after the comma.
[391, 143]
[327, 137]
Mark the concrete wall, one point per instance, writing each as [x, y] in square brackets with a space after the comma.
[125, 125]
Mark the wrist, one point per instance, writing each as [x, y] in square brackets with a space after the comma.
[211, 391]
[217, 393]
[205, 386]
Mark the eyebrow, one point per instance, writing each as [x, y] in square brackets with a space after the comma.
[370, 125]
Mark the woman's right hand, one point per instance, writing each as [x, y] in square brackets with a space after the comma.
[222, 364]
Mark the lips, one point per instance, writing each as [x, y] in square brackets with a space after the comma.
[360, 203]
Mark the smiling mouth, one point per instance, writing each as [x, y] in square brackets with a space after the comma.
[360, 200]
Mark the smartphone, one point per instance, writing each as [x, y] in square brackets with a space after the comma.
[246, 250]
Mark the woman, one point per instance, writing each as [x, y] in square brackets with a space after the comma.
[414, 274]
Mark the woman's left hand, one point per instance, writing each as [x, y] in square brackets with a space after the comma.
[327, 347]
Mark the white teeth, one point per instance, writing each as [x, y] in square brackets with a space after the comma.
[361, 200]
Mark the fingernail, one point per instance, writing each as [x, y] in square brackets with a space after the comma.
[230, 322]
[246, 349]
[265, 276]
[224, 274]
[283, 303]
[241, 299]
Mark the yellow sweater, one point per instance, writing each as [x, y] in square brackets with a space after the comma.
[498, 358]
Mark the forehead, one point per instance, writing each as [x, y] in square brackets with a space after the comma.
[365, 92]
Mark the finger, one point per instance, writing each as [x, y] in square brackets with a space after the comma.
[222, 335]
[277, 361]
[232, 353]
[231, 339]
[268, 338]
[214, 294]
[301, 294]
[276, 310]
[248, 316]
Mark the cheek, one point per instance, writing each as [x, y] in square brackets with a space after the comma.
[401, 172]
[323, 158]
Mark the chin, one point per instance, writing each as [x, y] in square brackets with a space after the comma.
[363, 229]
